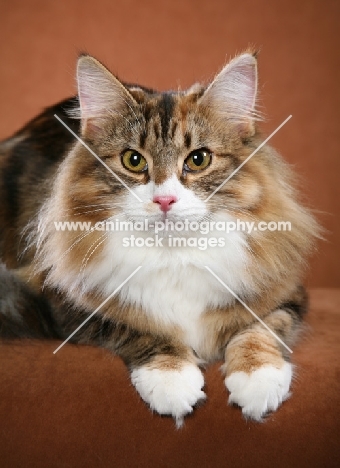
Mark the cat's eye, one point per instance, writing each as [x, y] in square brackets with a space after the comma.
[197, 160]
[133, 161]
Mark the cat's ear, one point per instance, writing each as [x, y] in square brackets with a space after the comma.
[101, 95]
[232, 93]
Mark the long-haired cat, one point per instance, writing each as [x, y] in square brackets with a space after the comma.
[157, 157]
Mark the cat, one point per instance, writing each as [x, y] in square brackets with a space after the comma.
[159, 157]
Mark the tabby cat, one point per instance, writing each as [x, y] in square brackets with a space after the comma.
[157, 157]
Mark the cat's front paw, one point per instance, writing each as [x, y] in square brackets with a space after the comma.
[170, 391]
[261, 391]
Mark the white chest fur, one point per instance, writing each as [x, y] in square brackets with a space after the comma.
[173, 287]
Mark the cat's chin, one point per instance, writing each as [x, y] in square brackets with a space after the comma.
[168, 220]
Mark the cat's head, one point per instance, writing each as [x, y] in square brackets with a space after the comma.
[172, 149]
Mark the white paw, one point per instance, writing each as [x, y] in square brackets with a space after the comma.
[261, 391]
[173, 392]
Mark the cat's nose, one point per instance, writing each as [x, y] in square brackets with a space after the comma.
[165, 201]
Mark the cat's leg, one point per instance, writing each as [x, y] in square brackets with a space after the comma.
[258, 377]
[165, 374]
[257, 367]
[163, 371]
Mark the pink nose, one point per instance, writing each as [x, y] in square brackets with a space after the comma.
[165, 202]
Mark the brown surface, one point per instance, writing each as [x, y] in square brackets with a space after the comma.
[78, 409]
[171, 42]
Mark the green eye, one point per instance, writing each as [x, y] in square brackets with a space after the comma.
[197, 160]
[133, 161]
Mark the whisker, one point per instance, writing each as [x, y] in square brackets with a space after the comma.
[85, 260]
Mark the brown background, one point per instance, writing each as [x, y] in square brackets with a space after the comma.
[165, 44]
